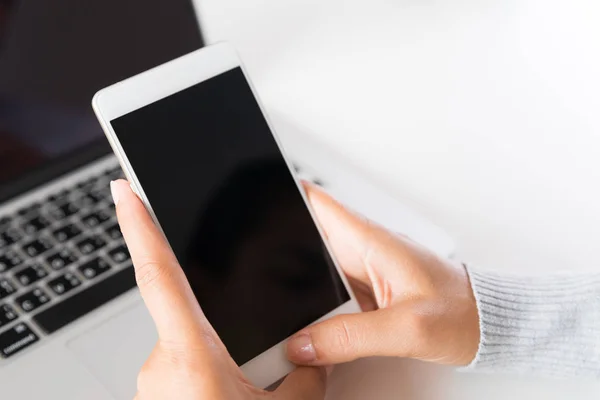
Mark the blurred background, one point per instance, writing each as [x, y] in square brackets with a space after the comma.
[480, 114]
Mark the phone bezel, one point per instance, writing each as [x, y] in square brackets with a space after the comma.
[167, 79]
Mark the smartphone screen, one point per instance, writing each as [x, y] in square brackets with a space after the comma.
[232, 212]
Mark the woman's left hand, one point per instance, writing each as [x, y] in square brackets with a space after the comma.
[189, 361]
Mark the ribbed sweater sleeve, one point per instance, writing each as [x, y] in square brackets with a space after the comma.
[547, 325]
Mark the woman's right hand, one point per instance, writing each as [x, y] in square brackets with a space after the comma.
[416, 304]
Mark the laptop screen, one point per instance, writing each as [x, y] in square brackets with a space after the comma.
[54, 55]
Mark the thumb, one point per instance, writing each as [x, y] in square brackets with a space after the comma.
[356, 241]
[348, 337]
[303, 384]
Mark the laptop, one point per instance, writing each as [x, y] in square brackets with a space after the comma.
[65, 272]
[72, 324]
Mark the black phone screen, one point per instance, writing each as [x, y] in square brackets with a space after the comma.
[232, 212]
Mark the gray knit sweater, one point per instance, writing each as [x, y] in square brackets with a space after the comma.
[546, 325]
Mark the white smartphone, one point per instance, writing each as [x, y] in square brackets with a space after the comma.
[197, 147]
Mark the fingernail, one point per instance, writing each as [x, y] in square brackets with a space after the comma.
[301, 349]
[114, 192]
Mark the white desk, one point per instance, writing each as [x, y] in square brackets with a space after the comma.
[481, 114]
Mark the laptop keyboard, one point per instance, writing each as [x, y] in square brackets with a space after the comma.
[59, 260]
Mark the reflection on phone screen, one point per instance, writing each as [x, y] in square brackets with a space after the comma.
[232, 212]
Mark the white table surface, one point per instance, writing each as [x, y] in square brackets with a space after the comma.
[483, 115]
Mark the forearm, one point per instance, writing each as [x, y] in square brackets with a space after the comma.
[543, 325]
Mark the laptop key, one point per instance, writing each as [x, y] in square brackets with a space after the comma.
[63, 194]
[26, 210]
[75, 307]
[31, 274]
[9, 260]
[37, 247]
[91, 244]
[61, 259]
[87, 200]
[16, 339]
[114, 231]
[67, 232]
[101, 192]
[36, 224]
[32, 300]
[64, 284]
[96, 195]
[64, 211]
[114, 173]
[120, 254]
[96, 218]
[6, 288]
[7, 314]
[87, 184]
[94, 268]
[9, 236]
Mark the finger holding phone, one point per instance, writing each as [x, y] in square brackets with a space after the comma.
[189, 359]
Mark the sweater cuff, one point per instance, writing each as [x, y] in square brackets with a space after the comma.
[548, 325]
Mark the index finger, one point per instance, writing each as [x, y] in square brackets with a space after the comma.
[162, 283]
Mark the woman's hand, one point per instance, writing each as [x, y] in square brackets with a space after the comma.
[417, 304]
[189, 361]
